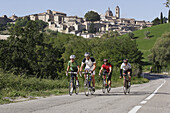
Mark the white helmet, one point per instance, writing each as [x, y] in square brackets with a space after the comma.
[87, 54]
[72, 57]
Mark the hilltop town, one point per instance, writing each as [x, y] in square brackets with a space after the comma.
[60, 22]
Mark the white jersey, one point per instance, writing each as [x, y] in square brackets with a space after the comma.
[125, 67]
[89, 63]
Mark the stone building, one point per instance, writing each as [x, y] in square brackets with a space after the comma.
[4, 20]
[13, 17]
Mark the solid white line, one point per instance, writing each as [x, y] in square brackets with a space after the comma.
[135, 109]
[150, 96]
[143, 102]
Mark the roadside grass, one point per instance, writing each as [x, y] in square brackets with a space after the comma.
[18, 88]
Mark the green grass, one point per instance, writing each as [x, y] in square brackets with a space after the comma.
[145, 45]
[13, 87]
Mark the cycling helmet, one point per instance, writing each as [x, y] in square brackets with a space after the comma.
[87, 54]
[105, 60]
[125, 60]
[72, 57]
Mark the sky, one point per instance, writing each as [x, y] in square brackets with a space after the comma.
[138, 9]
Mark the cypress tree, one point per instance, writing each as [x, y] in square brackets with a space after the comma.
[161, 20]
[169, 16]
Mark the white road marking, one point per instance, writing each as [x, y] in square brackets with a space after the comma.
[135, 109]
[143, 102]
[148, 98]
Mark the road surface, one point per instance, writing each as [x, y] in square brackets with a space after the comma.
[152, 97]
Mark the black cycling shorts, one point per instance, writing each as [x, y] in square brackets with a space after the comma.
[126, 72]
[109, 76]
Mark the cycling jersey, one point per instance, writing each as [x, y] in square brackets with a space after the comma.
[125, 67]
[73, 66]
[107, 67]
[89, 64]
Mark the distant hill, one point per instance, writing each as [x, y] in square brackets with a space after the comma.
[145, 45]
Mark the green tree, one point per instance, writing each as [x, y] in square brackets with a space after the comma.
[131, 35]
[146, 33]
[167, 3]
[156, 21]
[92, 28]
[160, 55]
[161, 18]
[92, 16]
[169, 16]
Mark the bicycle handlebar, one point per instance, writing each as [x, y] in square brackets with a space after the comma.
[71, 73]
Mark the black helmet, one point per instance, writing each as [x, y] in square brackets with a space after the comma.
[105, 60]
[125, 60]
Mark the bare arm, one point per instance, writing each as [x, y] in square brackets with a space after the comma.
[94, 66]
[101, 70]
[81, 68]
[68, 67]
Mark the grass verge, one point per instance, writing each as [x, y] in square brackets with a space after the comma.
[18, 88]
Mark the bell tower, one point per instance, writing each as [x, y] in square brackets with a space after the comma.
[117, 12]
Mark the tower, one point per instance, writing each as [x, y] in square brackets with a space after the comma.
[117, 12]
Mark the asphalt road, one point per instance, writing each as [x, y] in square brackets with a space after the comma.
[152, 97]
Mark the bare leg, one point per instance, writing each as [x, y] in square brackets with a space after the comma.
[93, 78]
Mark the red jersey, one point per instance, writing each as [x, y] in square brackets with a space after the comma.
[106, 67]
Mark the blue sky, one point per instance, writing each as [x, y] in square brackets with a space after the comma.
[138, 9]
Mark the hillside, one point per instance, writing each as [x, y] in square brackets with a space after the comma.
[145, 45]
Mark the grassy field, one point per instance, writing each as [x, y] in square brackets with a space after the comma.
[146, 44]
[17, 88]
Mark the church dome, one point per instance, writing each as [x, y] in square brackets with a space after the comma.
[108, 12]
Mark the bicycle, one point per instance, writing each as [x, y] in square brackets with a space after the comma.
[105, 83]
[88, 89]
[126, 87]
[72, 84]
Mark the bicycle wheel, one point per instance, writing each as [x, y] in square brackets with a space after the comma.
[86, 87]
[125, 87]
[108, 90]
[129, 88]
[91, 88]
[104, 86]
[70, 87]
[76, 88]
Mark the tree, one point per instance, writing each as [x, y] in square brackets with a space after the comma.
[131, 35]
[169, 16]
[156, 21]
[146, 33]
[161, 18]
[92, 28]
[92, 16]
[167, 3]
[160, 55]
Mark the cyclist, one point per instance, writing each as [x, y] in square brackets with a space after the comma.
[127, 70]
[90, 66]
[74, 67]
[108, 70]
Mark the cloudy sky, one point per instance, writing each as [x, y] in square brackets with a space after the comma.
[138, 9]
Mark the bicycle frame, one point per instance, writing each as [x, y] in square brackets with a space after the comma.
[72, 84]
[126, 87]
[87, 83]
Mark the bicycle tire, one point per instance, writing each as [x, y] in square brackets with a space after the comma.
[70, 93]
[76, 88]
[107, 86]
[128, 88]
[104, 86]
[125, 87]
[91, 89]
[86, 87]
